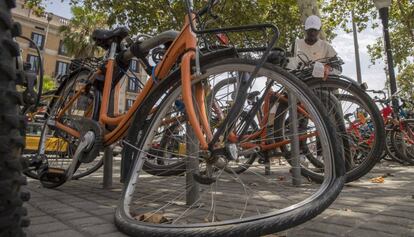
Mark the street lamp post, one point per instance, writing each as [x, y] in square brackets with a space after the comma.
[382, 6]
[49, 18]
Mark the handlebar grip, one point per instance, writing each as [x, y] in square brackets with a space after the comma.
[142, 48]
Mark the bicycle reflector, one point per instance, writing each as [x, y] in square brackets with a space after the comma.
[222, 37]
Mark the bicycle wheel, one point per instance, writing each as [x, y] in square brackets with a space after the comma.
[391, 147]
[364, 130]
[57, 146]
[403, 141]
[233, 204]
[12, 214]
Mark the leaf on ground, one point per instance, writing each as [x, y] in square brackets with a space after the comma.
[378, 180]
[281, 178]
[152, 218]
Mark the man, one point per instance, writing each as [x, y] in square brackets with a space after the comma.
[314, 48]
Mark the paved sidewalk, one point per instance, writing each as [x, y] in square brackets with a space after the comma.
[84, 208]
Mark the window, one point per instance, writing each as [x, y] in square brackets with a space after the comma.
[132, 85]
[62, 48]
[128, 104]
[61, 68]
[38, 40]
[133, 66]
[34, 62]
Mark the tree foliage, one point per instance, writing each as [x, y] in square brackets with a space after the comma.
[48, 84]
[154, 16]
[338, 13]
[77, 34]
[406, 82]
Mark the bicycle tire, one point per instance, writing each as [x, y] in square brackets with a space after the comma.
[401, 151]
[358, 96]
[60, 97]
[390, 148]
[137, 136]
[12, 214]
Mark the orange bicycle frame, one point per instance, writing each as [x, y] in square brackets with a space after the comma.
[184, 45]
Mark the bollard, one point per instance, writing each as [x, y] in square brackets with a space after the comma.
[192, 149]
[295, 152]
[108, 167]
[267, 165]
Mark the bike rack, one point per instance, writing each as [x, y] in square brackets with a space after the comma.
[192, 150]
[108, 167]
[295, 152]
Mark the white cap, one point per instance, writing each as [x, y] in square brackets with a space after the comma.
[313, 22]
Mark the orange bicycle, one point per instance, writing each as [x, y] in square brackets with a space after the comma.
[177, 93]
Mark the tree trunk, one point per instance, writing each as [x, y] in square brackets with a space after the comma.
[308, 8]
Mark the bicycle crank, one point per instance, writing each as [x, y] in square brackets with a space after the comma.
[84, 146]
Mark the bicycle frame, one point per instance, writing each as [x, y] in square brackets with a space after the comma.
[184, 45]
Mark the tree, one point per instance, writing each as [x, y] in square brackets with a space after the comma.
[406, 82]
[77, 34]
[400, 28]
[154, 16]
[48, 84]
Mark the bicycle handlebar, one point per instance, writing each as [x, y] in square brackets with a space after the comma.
[141, 48]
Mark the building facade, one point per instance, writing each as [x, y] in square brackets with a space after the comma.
[44, 31]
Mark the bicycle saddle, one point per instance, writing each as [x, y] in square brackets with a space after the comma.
[104, 38]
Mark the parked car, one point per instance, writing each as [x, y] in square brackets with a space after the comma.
[33, 132]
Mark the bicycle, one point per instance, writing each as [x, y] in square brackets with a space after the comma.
[186, 73]
[340, 95]
[399, 124]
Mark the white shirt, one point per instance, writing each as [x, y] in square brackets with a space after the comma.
[319, 50]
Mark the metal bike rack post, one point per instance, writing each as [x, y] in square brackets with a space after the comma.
[108, 167]
[192, 150]
[295, 152]
[267, 165]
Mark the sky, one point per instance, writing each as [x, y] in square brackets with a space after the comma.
[373, 75]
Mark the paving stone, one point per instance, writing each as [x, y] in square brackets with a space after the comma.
[386, 228]
[116, 234]
[86, 221]
[99, 229]
[367, 233]
[73, 215]
[42, 220]
[48, 227]
[103, 211]
[108, 217]
[63, 233]
[402, 214]
[363, 209]
[400, 221]
[327, 228]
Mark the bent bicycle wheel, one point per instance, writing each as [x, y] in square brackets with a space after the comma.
[225, 204]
